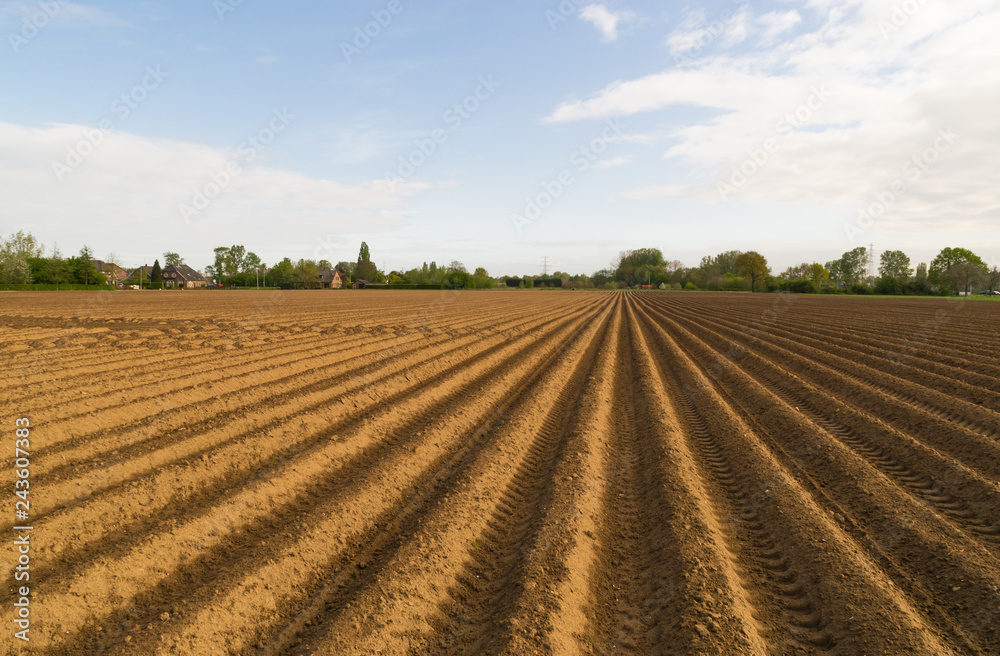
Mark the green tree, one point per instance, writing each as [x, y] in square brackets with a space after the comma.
[458, 279]
[23, 245]
[752, 265]
[854, 265]
[366, 270]
[14, 271]
[172, 259]
[727, 262]
[15, 251]
[221, 265]
[237, 260]
[346, 269]
[282, 274]
[156, 275]
[836, 273]
[798, 272]
[921, 272]
[636, 266]
[82, 268]
[895, 264]
[957, 269]
[307, 274]
[817, 273]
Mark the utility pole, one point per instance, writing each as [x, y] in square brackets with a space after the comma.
[545, 265]
[871, 262]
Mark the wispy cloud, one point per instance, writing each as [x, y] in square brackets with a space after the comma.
[698, 30]
[890, 92]
[775, 23]
[612, 162]
[265, 59]
[605, 21]
[129, 178]
[65, 14]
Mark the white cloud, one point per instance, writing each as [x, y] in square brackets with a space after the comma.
[604, 20]
[613, 162]
[891, 89]
[131, 183]
[697, 31]
[776, 23]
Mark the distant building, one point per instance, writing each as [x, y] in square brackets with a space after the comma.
[139, 274]
[181, 276]
[331, 279]
[359, 284]
[114, 273]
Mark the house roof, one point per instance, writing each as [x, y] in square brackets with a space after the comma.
[146, 272]
[111, 269]
[328, 275]
[185, 272]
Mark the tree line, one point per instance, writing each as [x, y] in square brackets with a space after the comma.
[23, 262]
[234, 265]
[953, 270]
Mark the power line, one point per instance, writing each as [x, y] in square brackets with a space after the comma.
[545, 265]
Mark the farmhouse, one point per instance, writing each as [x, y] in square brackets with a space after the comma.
[331, 279]
[139, 274]
[114, 273]
[181, 276]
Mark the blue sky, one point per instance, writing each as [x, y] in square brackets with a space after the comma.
[499, 134]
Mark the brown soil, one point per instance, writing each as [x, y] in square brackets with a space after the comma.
[505, 473]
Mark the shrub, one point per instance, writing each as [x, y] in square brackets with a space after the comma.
[403, 286]
[802, 286]
[46, 287]
[690, 286]
[888, 285]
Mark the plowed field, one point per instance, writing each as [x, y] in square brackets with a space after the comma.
[503, 473]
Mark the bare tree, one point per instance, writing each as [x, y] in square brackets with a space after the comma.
[965, 275]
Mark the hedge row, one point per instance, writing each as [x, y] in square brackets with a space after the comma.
[401, 287]
[40, 287]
